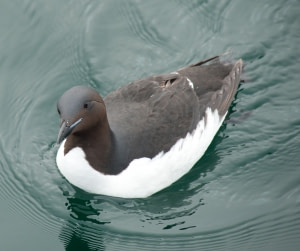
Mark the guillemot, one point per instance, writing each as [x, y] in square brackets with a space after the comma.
[144, 136]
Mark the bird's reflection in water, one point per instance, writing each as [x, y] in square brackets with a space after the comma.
[83, 230]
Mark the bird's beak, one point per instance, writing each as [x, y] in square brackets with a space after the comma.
[65, 130]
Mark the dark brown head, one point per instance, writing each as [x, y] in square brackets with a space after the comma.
[81, 109]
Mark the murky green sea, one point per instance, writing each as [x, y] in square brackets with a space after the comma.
[244, 194]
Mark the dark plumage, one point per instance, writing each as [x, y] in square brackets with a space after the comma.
[147, 116]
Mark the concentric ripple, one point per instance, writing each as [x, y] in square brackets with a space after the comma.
[242, 195]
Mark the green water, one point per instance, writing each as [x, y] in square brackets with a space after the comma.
[244, 194]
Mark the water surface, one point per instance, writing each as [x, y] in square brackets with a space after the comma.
[244, 194]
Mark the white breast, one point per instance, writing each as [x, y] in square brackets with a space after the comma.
[143, 177]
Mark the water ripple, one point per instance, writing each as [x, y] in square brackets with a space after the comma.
[251, 234]
[243, 194]
[140, 27]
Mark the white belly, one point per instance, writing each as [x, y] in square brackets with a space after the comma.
[143, 177]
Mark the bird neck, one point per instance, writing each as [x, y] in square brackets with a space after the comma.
[98, 146]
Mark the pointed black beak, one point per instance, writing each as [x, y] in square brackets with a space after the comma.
[65, 130]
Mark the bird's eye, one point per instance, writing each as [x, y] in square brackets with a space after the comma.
[86, 105]
[58, 111]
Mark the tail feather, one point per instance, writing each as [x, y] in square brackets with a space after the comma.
[210, 59]
[231, 83]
